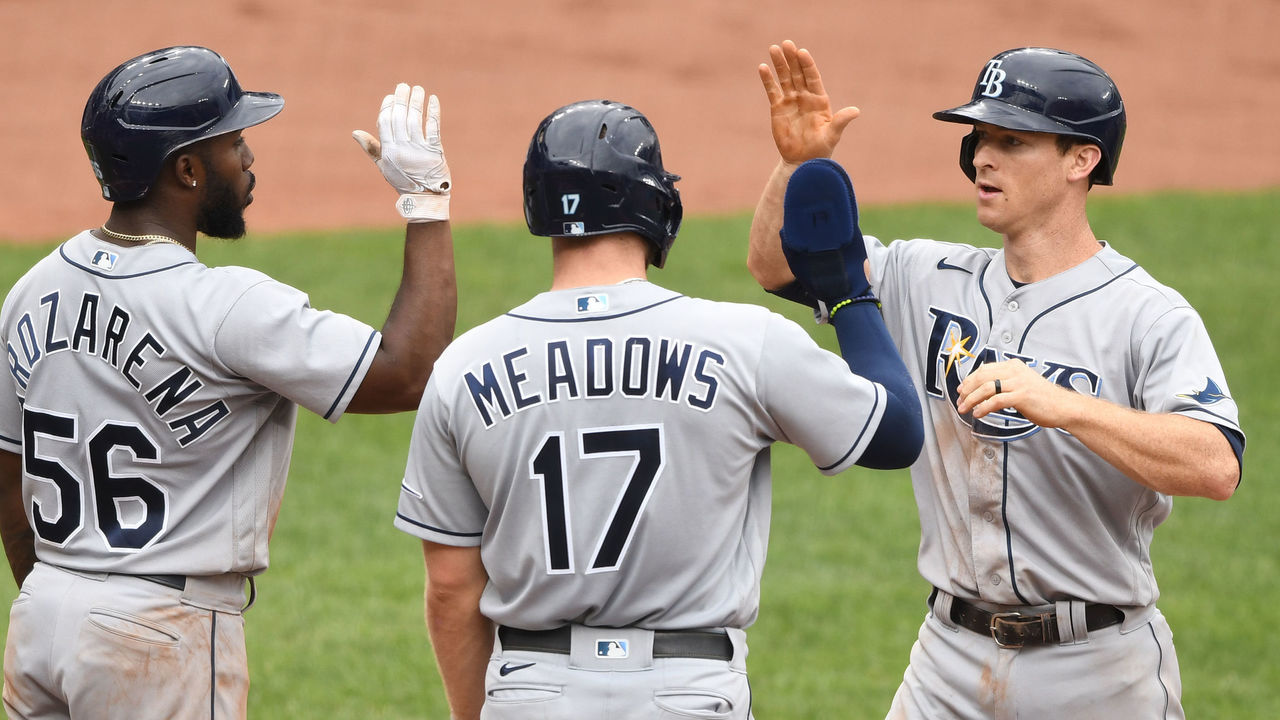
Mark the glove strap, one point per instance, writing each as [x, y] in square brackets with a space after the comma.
[423, 207]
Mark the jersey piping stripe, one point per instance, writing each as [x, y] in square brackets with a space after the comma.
[1159, 668]
[432, 528]
[1027, 331]
[595, 317]
[62, 251]
[1008, 530]
[991, 318]
[858, 440]
[6, 438]
[213, 666]
[352, 376]
[1225, 420]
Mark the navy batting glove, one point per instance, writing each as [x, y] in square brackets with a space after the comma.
[820, 236]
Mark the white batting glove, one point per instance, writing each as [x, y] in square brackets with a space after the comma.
[410, 157]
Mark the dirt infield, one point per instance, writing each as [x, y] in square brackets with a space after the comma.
[1200, 78]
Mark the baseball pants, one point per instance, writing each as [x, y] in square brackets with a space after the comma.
[119, 647]
[1122, 672]
[611, 673]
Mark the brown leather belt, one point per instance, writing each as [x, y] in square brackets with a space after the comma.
[1015, 629]
[703, 644]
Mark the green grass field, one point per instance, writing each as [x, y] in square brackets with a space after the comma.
[337, 631]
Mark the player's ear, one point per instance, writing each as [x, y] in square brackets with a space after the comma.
[185, 168]
[1081, 160]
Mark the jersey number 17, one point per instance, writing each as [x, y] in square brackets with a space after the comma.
[644, 444]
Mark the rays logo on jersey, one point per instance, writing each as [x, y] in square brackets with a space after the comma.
[952, 349]
[613, 649]
[104, 260]
[1208, 396]
[593, 303]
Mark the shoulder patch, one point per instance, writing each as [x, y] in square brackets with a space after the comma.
[1208, 396]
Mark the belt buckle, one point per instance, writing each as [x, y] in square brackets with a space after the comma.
[1002, 620]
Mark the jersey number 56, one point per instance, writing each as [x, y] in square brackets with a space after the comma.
[113, 495]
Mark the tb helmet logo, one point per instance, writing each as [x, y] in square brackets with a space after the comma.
[993, 79]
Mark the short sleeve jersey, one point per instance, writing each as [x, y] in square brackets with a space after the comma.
[608, 450]
[153, 399]
[1012, 513]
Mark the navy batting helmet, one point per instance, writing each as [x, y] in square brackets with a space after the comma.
[156, 103]
[1049, 91]
[594, 167]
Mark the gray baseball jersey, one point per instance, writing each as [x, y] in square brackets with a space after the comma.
[1011, 513]
[153, 399]
[608, 450]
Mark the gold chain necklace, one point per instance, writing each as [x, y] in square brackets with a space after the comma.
[145, 239]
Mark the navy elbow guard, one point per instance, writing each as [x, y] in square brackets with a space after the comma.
[821, 240]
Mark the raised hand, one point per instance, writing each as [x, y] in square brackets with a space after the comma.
[804, 127]
[409, 153]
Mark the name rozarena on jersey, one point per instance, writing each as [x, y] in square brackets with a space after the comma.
[105, 334]
[594, 368]
[952, 347]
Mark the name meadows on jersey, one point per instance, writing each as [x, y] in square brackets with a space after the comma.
[640, 372]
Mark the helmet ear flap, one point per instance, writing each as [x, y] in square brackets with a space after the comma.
[670, 214]
[968, 148]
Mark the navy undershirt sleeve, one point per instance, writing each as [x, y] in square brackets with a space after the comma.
[1237, 446]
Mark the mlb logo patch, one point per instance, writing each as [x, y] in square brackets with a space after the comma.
[593, 303]
[574, 228]
[105, 260]
[615, 649]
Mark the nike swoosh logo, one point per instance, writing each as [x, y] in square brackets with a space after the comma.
[944, 265]
[508, 668]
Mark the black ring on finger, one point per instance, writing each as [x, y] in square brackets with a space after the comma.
[997, 386]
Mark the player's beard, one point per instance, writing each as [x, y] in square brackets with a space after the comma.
[221, 211]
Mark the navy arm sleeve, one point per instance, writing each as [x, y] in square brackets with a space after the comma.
[869, 351]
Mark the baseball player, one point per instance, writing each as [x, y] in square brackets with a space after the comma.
[1068, 397]
[589, 473]
[148, 411]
